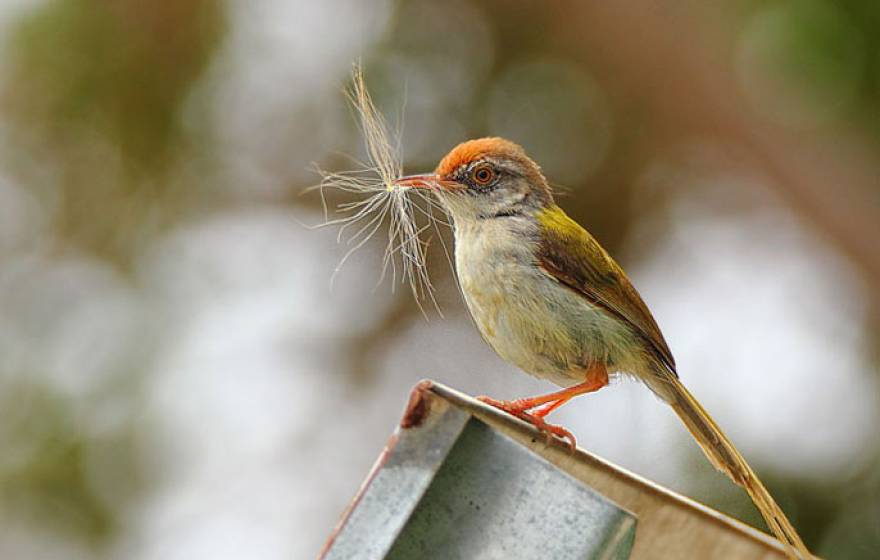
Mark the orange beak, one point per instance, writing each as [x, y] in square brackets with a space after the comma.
[430, 181]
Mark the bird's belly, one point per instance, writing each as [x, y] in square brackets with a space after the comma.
[539, 325]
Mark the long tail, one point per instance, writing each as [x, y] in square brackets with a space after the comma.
[724, 455]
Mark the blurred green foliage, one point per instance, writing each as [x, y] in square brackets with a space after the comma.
[95, 103]
[99, 89]
[44, 481]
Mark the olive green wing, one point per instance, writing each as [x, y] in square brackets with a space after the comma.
[569, 254]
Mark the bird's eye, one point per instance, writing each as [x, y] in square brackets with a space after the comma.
[483, 174]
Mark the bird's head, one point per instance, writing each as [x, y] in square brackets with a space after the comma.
[486, 178]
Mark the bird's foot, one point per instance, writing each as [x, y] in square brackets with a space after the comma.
[519, 407]
[550, 429]
[511, 407]
[507, 406]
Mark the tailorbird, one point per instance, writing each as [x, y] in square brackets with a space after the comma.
[549, 299]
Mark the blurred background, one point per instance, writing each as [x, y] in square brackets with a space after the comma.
[179, 380]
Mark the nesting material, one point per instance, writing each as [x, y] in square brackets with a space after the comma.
[378, 201]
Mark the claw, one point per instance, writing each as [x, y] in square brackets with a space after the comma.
[554, 429]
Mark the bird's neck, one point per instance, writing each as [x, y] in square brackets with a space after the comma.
[496, 230]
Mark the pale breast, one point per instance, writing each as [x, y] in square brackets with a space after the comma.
[528, 318]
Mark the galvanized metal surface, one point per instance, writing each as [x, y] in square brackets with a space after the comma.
[459, 479]
[493, 498]
[453, 488]
[393, 490]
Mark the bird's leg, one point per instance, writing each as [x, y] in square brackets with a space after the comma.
[521, 405]
[596, 378]
[550, 407]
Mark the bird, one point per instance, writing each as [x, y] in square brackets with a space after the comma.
[549, 299]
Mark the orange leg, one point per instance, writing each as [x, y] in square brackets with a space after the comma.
[596, 378]
[550, 407]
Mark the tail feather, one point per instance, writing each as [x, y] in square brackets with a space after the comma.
[725, 457]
